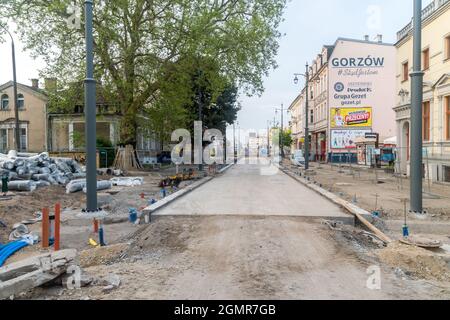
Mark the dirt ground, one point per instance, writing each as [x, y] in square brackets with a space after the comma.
[358, 185]
[244, 258]
[76, 232]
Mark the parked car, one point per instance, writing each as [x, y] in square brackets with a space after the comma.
[297, 158]
[165, 157]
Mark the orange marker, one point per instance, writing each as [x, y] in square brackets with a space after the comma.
[45, 227]
[57, 226]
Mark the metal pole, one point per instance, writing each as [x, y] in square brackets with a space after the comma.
[268, 138]
[416, 113]
[200, 118]
[90, 112]
[234, 142]
[282, 133]
[306, 119]
[16, 102]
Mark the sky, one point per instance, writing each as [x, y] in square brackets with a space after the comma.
[307, 26]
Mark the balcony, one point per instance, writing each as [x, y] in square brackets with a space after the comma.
[426, 13]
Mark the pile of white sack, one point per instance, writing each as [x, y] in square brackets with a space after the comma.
[26, 172]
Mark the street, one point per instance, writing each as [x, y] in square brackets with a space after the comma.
[197, 249]
[256, 190]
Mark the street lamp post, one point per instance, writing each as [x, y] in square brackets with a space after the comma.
[268, 138]
[234, 142]
[306, 145]
[416, 113]
[16, 102]
[281, 130]
[90, 112]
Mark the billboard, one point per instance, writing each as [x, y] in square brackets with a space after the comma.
[346, 139]
[362, 85]
[351, 117]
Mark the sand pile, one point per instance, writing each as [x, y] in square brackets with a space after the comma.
[416, 261]
[102, 255]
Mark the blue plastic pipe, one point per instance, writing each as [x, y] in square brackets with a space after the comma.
[8, 250]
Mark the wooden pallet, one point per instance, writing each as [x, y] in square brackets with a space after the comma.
[126, 159]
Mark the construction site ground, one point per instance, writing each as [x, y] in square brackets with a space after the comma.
[75, 231]
[358, 185]
[196, 256]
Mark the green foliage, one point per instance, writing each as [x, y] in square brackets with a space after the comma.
[287, 138]
[146, 49]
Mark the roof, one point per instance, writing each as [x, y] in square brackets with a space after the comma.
[363, 41]
[36, 91]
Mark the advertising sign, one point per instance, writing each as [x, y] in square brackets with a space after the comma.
[346, 139]
[351, 117]
[362, 86]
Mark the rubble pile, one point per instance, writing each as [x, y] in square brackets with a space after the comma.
[26, 172]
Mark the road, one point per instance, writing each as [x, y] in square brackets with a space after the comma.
[256, 190]
[244, 236]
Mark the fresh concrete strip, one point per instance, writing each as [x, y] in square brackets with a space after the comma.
[358, 212]
[150, 210]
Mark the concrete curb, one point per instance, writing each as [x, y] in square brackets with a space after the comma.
[175, 196]
[359, 213]
[330, 196]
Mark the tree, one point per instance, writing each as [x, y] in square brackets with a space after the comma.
[144, 46]
[214, 95]
[287, 138]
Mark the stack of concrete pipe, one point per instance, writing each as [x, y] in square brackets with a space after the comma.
[26, 172]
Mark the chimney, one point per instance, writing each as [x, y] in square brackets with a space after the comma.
[50, 84]
[366, 37]
[380, 38]
[35, 83]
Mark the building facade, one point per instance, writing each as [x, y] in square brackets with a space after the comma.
[436, 92]
[297, 122]
[32, 103]
[46, 128]
[319, 104]
[351, 89]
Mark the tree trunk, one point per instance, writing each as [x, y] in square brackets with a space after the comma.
[128, 129]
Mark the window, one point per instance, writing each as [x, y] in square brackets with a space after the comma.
[426, 121]
[4, 102]
[312, 116]
[405, 71]
[23, 139]
[426, 59]
[447, 117]
[447, 47]
[21, 101]
[3, 140]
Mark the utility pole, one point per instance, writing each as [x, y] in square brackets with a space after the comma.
[16, 102]
[234, 143]
[268, 138]
[416, 113]
[90, 112]
[306, 118]
[200, 118]
[282, 133]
